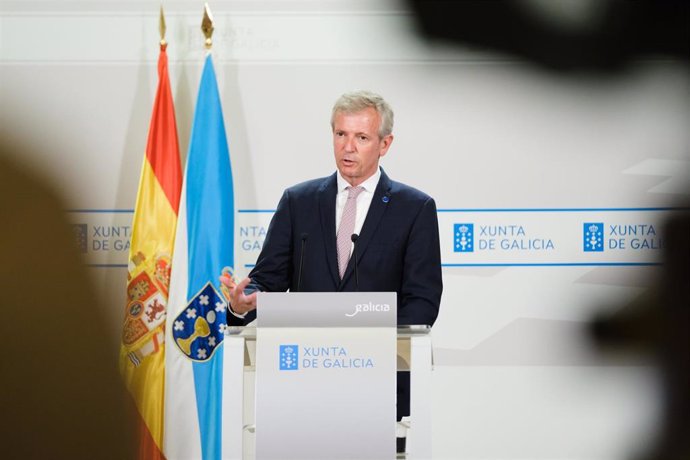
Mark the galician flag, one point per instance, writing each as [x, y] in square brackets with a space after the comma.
[198, 318]
[142, 353]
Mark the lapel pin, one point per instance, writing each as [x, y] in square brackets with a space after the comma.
[385, 199]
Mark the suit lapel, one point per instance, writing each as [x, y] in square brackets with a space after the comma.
[377, 208]
[327, 193]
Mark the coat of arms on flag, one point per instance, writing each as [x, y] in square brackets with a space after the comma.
[147, 294]
[200, 328]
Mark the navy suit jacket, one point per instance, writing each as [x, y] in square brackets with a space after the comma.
[397, 250]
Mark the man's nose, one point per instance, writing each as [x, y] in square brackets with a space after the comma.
[350, 144]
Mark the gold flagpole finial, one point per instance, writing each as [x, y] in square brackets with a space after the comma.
[161, 27]
[207, 26]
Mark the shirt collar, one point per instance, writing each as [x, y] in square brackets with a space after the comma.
[369, 185]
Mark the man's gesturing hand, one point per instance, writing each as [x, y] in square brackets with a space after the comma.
[234, 294]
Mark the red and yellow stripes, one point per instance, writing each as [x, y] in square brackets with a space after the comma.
[142, 353]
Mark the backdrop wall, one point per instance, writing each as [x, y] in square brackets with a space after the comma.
[551, 189]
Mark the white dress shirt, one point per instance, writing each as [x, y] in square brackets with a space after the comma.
[363, 200]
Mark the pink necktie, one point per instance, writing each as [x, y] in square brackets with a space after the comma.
[347, 226]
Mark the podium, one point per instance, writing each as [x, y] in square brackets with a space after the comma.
[316, 378]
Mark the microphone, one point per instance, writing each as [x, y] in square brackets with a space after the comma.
[354, 238]
[301, 261]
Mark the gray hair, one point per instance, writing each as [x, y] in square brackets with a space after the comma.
[357, 101]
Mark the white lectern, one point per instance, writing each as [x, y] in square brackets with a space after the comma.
[325, 380]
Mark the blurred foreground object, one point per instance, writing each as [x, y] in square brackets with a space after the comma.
[60, 393]
[600, 35]
[603, 37]
[658, 324]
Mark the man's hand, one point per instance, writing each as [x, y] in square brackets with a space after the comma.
[234, 294]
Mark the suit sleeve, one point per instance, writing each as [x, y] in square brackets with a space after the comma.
[421, 278]
[273, 269]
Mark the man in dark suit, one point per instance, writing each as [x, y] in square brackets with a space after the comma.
[398, 241]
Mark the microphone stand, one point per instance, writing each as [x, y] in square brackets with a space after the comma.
[354, 238]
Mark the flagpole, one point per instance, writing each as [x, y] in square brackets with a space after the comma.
[161, 27]
[207, 26]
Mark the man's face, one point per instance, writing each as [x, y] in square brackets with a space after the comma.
[357, 145]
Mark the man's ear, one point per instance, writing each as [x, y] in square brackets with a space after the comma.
[386, 142]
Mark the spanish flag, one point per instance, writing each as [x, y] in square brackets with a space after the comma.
[142, 354]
